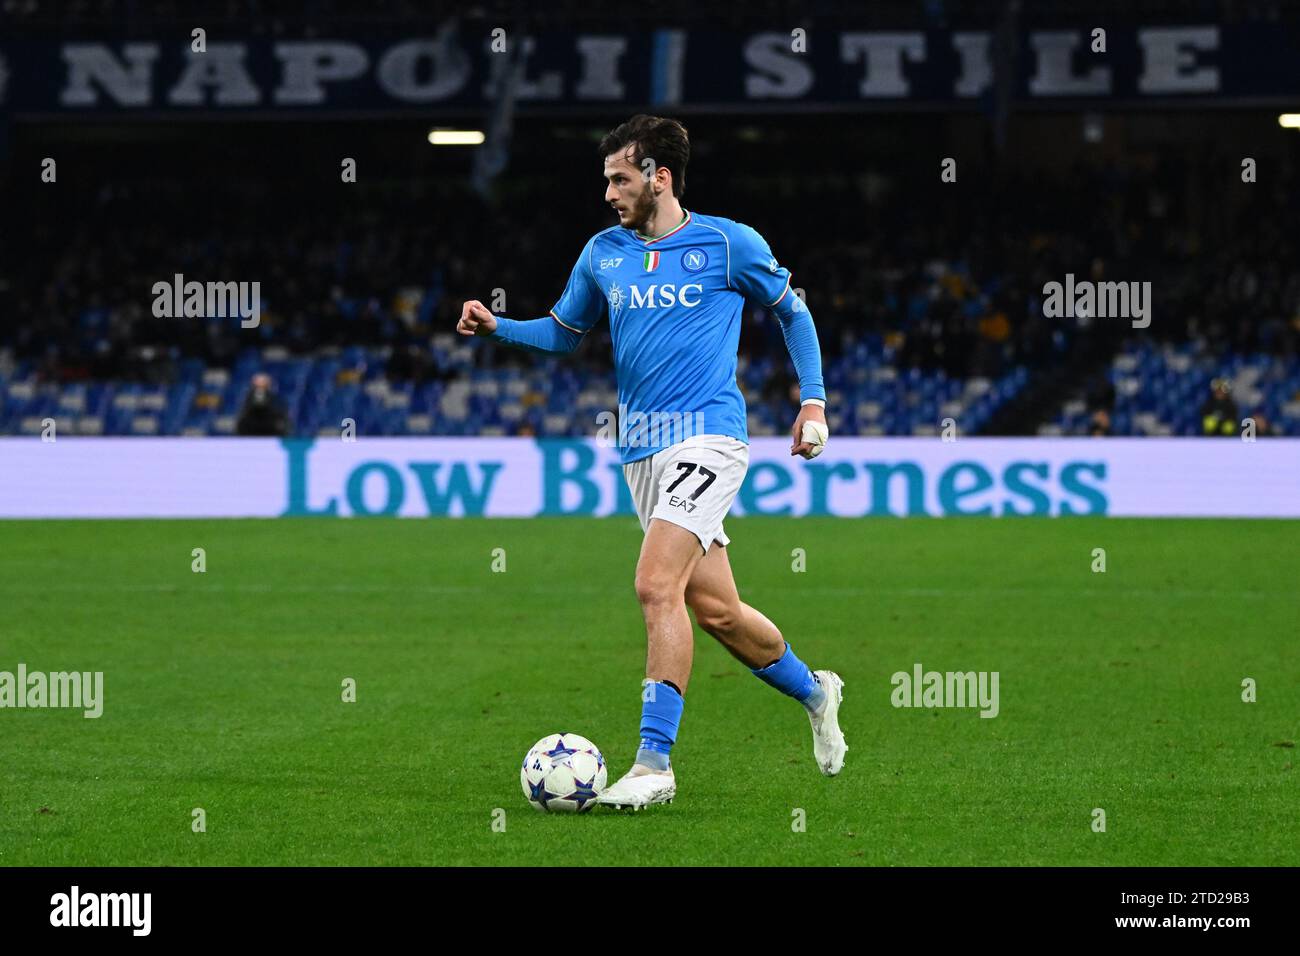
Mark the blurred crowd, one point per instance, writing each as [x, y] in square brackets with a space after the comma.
[949, 276]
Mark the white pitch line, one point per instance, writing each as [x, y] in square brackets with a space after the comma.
[497, 588]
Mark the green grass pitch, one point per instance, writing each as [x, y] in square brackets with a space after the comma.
[1119, 690]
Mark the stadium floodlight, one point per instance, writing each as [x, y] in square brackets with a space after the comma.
[1289, 120]
[456, 137]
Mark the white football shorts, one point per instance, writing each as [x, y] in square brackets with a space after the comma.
[691, 484]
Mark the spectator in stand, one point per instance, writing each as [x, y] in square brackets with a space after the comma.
[1219, 413]
[1099, 424]
[1101, 403]
[1263, 427]
[263, 412]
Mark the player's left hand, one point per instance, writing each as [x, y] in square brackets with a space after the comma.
[809, 435]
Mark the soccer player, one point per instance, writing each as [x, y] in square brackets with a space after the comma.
[675, 283]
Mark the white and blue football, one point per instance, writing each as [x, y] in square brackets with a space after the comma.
[563, 773]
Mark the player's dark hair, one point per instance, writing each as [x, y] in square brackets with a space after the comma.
[664, 140]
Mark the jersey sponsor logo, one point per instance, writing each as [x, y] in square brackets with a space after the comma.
[611, 263]
[666, 295]
[694, 260]
[771, 265]
[651, 261]
[616, 299]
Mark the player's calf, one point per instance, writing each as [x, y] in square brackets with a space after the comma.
[746, 634]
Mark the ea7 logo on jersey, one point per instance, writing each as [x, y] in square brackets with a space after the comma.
[611, 263]
[771, 265]
[667, 295]
[676, 502]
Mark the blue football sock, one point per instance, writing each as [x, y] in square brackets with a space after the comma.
[652, 759]
[661, 714]
[792, 677]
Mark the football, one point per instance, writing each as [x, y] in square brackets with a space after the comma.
[563, 773]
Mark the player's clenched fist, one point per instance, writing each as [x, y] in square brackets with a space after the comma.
[809, 433]
[475, 319]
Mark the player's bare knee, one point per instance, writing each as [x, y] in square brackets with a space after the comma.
[655, 589]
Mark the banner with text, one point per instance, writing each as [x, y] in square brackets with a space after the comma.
[460, 68]
[498, 477]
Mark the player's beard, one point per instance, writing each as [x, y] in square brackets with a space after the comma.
[643, 211]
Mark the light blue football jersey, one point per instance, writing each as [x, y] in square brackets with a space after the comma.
[675, 305]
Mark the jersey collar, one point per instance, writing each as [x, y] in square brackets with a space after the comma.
[686, 220]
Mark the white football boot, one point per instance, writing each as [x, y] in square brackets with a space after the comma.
[640, 787]
[828, 740]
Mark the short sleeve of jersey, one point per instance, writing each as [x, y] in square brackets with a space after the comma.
[580, 306]
[754, 270]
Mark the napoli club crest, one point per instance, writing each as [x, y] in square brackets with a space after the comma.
[694, 260]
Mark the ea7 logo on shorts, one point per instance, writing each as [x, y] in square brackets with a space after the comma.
[676, 502]
[694, 260]
[611, 263]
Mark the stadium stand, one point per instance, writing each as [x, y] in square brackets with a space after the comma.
[927, 303]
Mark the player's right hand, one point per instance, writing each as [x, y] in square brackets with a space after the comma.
[475, 319]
